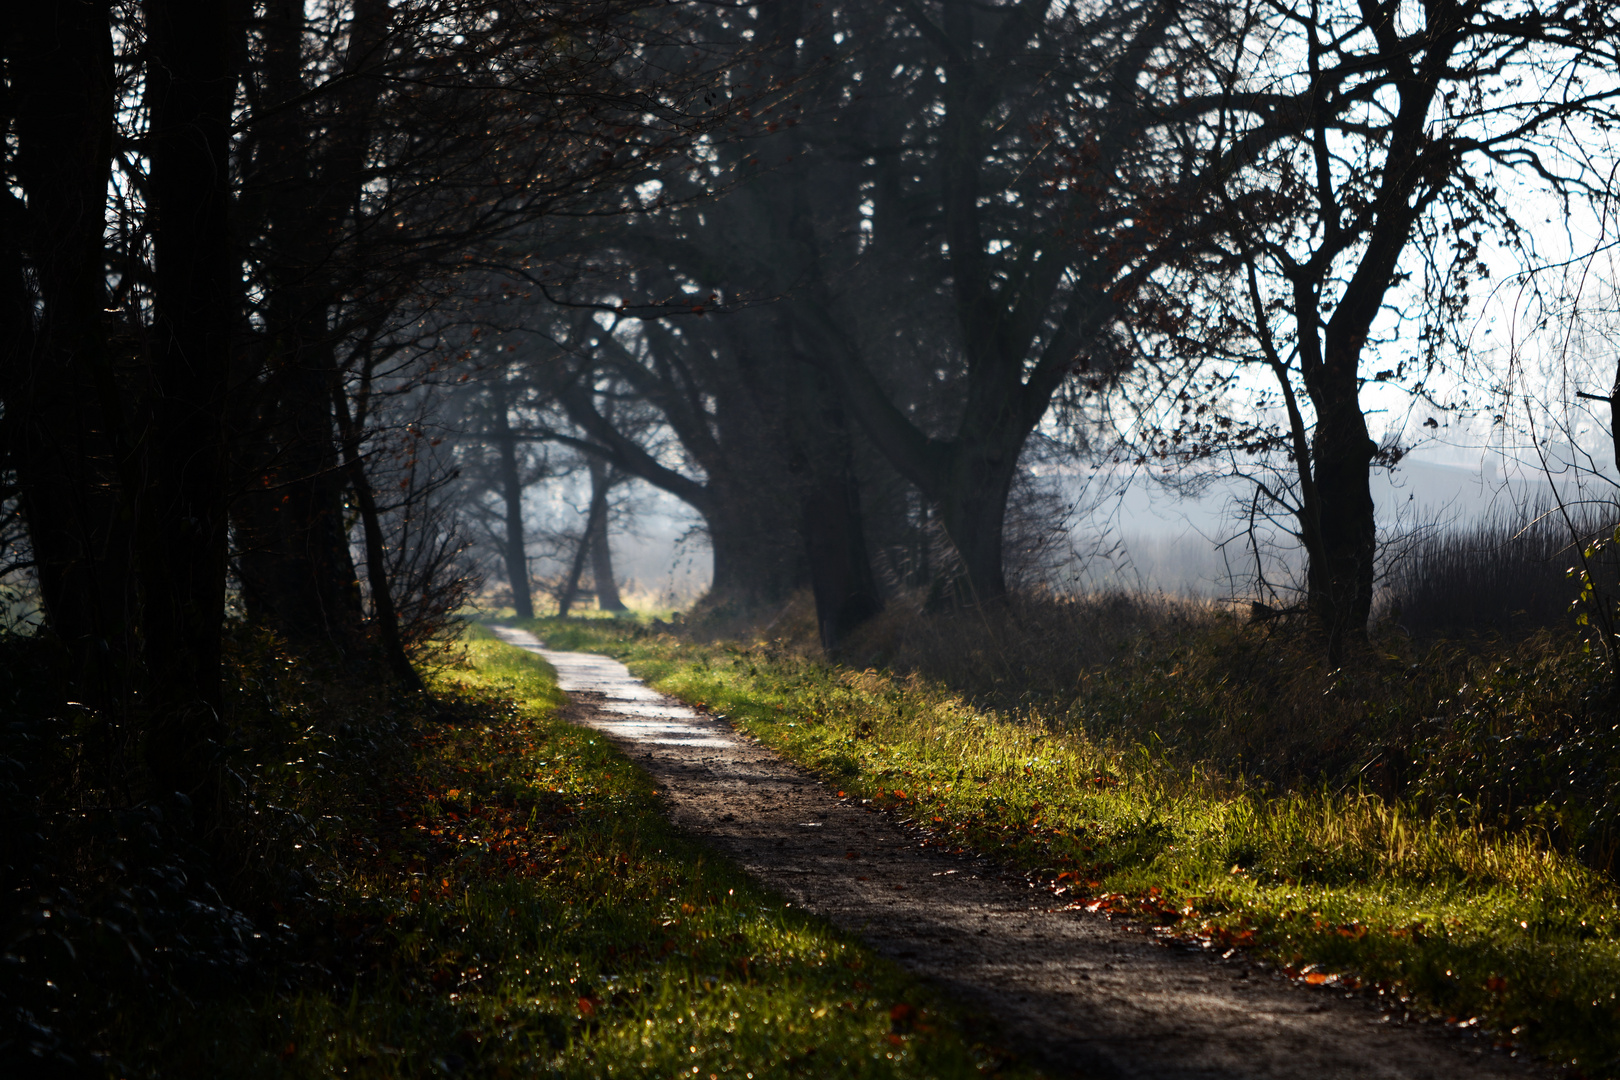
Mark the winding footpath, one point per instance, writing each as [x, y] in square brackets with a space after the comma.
[1071, 991]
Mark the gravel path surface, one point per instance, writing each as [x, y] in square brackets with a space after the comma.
[1075, 992]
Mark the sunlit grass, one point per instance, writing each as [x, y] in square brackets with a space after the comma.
[517, 905]
[1437, 912]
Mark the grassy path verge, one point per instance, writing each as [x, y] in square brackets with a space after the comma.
[516, 905]
[1438, 916]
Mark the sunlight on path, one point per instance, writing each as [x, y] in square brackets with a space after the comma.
[648, 716]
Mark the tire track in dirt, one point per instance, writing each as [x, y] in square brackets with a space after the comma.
[1078, 994]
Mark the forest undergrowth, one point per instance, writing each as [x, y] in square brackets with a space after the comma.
[1434, 824]
[461, 884]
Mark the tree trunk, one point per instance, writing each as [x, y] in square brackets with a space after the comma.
[831, 521]
[607, 590]
[1342, 537]
[570, 587]
[758, 559]
[182, 517]
[514, 550]
[748, 502]
[63, 423]
[973, 512]
[297, 570]
[840, 570]
[298, 574]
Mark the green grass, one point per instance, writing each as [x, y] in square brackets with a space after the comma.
[506, 899]
[1435, 912]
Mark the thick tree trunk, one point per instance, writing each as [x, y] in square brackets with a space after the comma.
[841, 575]
[831, 522]
[182, 517]
[514, 551]
[973, 512]
[607, 589]
[1341, 533]
[758, 559]
[748, 502]
[297, 571]
[63, 422]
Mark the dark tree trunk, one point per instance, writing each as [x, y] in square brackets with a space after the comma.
[973, 512]
[1342, 540]
[297, 571]
[831, 523]
[63, 421]
[966, 478]
[1337, 519]
[182, 511]
[748, 503]
[298, 574]
[840, 570]
[758, 561]
[607, 589]
[514, 550]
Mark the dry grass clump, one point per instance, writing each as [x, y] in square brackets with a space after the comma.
[1506, 575]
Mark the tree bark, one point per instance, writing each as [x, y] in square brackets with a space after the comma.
[64, 423]
[297, 570]
[831, 519]
[182, 512]
[607, 589]
[1344, 530]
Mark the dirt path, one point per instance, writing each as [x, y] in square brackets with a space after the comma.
[1079, 994]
